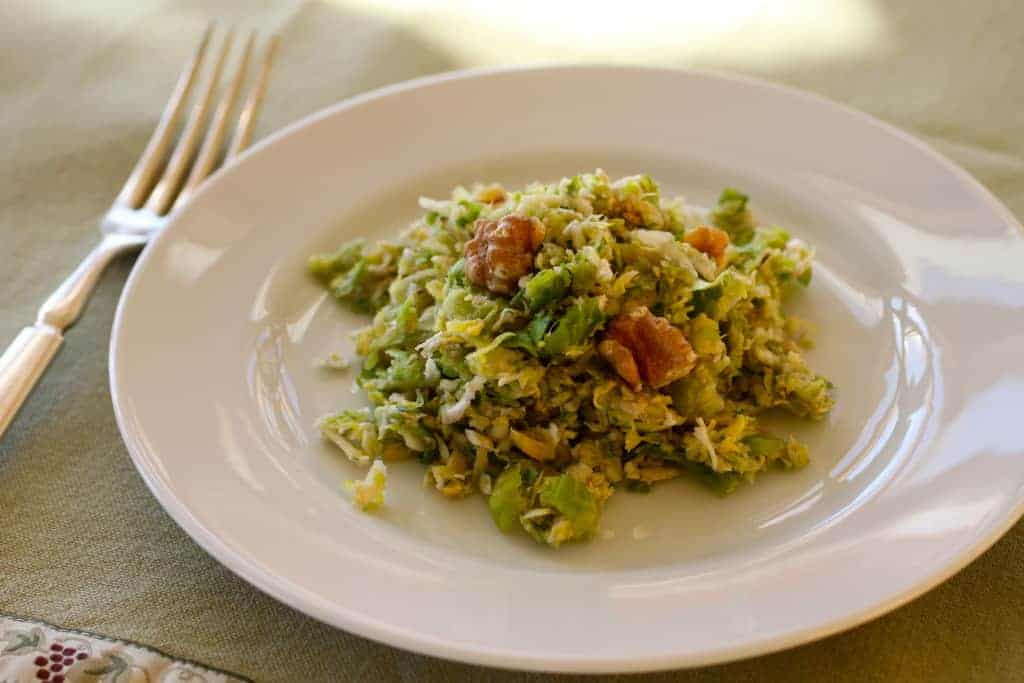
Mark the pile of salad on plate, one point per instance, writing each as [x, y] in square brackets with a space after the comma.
[549, 346]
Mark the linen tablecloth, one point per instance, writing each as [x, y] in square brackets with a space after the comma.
[83, 545]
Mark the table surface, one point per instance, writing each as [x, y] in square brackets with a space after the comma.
[82, 542]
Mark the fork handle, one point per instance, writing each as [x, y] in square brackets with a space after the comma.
[21, 366]
[28, 356]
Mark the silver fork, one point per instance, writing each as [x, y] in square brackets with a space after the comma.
[162, 181]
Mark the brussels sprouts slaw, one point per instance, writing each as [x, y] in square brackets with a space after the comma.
[549, 346]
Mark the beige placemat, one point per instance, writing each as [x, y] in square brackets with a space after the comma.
[82, 543]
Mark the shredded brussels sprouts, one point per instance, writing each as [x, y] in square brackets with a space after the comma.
[551, 345]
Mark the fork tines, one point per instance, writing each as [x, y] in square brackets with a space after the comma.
[169, 171]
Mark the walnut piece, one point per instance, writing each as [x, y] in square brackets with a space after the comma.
[711, 241]
[660, 352]
[502, 251]
[621, 358]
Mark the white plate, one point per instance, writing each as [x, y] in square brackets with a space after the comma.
[918, 295]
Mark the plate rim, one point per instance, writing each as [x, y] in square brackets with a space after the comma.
[414, 641]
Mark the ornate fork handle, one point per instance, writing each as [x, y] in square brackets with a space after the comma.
[28, 356]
